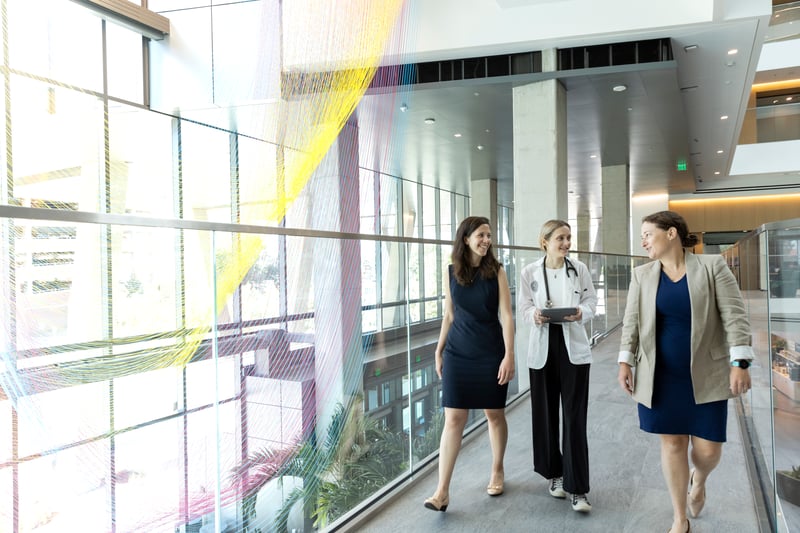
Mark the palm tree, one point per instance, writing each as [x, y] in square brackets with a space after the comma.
[358, 457]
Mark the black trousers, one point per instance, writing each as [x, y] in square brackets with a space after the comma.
[560, 384]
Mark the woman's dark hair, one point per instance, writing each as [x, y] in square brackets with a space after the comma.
[460, 256]
[670, 219]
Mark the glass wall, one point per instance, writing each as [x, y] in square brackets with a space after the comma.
[172, 358]
[766, 265]
[131, 395]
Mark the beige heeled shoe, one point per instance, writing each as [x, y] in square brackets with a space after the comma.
[437, 504]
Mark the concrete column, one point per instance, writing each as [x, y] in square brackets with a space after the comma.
[615, 225]
[540, 173]
[583, 242]
[337, 278]
[483, 200]
[583, 232]
[540, 157]
[641, 206]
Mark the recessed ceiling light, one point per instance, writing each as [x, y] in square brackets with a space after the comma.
[456, 135]
[593, 156]
[716, 173]
[774, 101]
[430, 120]
[476, 93]
[733, 51]
[403, 108]
[488, 131]
[720, 151]
[690, 47]
[479, 147]
[724, 117]
[619, 88]
[789, 98]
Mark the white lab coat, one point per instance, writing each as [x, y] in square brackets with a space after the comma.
[531, 295]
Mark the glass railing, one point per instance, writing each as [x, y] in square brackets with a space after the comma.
[783, 24]
[148, 382]
[766, 265]
[778, 120]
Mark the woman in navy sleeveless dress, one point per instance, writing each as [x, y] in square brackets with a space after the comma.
[474, 348]
[475, 353]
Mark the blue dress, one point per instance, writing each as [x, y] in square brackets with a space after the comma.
[674, 410]
[474, 347]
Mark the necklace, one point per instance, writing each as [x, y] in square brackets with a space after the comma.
[548, 303]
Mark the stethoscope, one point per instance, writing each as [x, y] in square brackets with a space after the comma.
[569, 266]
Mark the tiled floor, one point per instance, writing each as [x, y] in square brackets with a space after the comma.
[628, 492]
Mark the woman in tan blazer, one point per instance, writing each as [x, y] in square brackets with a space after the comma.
[686, 333]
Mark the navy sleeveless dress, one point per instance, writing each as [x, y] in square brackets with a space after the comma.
[674, 410]
[474, 347]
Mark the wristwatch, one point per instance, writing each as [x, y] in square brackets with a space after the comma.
[744, 364]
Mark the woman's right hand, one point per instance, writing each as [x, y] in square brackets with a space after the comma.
[625, 377]
[438, 359]
[538, 318]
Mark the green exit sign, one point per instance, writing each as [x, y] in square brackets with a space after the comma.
[681, 165]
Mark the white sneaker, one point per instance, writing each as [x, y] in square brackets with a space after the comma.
[557, 488]
[580, 503]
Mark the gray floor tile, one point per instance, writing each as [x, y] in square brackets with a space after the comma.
[628, 492]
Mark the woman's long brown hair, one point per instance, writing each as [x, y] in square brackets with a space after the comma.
[460, 256]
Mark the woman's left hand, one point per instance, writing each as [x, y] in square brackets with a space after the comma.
[740, 381]
[576, 317]
[506, 371]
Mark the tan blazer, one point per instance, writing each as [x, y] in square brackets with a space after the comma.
[720, 329]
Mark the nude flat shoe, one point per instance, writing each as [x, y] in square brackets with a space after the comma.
[695, 506]
[494, 489]
[435, 504]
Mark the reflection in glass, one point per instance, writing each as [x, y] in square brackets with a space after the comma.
[146, 396]
[300, 272]
[141, 162]
[143, 262]
[210, 452]
[150, 473]
[58, 270]
[206, 176]
[44, 47]
[261, 287]
[212, 381]
[57, 144]
[60, 417]
[69, 490]
[259, 193]
[125, 64]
